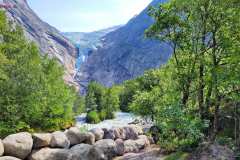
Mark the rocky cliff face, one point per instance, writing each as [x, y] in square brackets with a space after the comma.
[125, 53]
[87, 42]
[49, 39]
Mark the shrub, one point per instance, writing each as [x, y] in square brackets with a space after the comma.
[92, 117]
[103, 115]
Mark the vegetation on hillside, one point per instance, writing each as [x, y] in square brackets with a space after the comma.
[33, 95]
[101, 102]
[198, 92]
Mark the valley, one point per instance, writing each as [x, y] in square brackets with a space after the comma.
[163, 85]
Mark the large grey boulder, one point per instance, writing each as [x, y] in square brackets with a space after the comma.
[130, 132]
[41, 140]
[120, 147]
[59, 140]
[18, 145]
[109, 134]
[9, 158]
[208, 151]
[50, 154]
[108, 146]
[75, 136]
[130, 146]
[87, 152]
[119, 133]
[145, 139]
[1, 148]
[136, 145]
[98, 133]
[90, 138]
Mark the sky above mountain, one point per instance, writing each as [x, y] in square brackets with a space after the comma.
[87, 15]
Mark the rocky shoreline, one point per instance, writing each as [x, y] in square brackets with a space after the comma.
[74, 144]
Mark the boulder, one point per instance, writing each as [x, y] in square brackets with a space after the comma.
[130, 146]
[18, 145]
[120, 147]
[9, 158]
[41, 140]
[145, 139]
[86, 152]
[59, 140]
[75, 136]
[50, 154]
[108, 146]
[89, 138]
[119, 133]
[1, 148]
[208, 151]
[138, 129]
[109, 134]
[130, 132]
[98, 133]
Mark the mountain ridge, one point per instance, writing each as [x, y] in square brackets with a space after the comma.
[48, 39]
[126, 53]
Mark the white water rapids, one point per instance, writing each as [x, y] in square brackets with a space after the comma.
[121, 119]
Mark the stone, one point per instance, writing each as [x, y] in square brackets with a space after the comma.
[89, 138]
[9, 158]
[1, 148]
[98, 133]
[208, 151]
[119, 133]
[86, 152]
[130, 146]
[59, 140]
[130, 132]
[18, 145]
[41, 140]
[109, 134]
[145, 139]
[108, 146]
[75, 136]
[50, 154]
[138, 129]
[120, 147]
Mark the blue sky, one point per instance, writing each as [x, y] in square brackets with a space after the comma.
[86, 15]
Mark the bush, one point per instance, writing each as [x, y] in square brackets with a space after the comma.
[103, 115]
[93, 117]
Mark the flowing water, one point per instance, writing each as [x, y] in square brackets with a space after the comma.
[121, 119]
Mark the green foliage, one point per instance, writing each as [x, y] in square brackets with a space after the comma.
[32, 91]
[92, 117]
[103, 101]
[203, 73]
[94, 97]
[79, 105]
[111, 103]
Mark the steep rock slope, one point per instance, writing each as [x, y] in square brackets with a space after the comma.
[87, 42]
[49, 39]
[125, 53]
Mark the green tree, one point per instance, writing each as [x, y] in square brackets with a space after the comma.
[111, 103]
[33, 94]
[94, 97]
[204, 36]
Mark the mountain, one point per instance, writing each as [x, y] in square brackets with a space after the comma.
[48, 38]
[125, 53]
[86, 42]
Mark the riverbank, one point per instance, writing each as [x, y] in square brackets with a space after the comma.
[75, 144]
